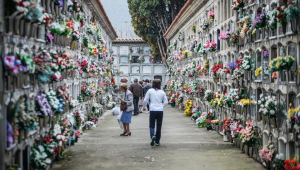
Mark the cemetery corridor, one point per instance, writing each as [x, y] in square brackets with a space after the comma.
[183, 146]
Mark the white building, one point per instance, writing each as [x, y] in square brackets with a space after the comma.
[128, 54]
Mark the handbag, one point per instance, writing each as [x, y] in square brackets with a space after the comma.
[123, 105]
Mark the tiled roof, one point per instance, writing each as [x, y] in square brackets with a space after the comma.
[106, 17]
[187, 4]
[129, 40]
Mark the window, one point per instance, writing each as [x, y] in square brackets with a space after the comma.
[253, 58]
[146, 69]
[124, 59]
[293, 52]
[265, 66]
[258, 64]
[147, 59]
[158, 77]
[282, 109]
[253, 106]
[124, 69]
[135, 69]
[135, 59]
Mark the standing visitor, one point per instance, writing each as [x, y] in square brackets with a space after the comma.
[141, 99]
[158, 101]
[145, 89]
[136, 90]
[127, 98]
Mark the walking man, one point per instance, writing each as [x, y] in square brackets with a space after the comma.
[145, 90]
[137, 92]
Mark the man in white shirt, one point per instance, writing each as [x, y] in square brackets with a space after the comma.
[158, 101]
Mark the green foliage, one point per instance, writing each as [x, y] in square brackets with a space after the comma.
[151, 19]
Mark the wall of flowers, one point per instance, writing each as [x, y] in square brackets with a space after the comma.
[239, 76]
[57, 79]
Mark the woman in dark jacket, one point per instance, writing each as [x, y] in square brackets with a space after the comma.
[127, 98]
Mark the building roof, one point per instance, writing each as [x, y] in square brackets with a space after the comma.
[129, 40]
[183, 9]
[99, 12]
[107, 19]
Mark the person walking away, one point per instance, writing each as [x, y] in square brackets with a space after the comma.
[136, 90]
[158, 101]
[141, 99]
[145, 89]
[127, 98]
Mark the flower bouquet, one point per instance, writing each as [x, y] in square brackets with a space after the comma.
[234, 39]
[208, 95]
[272, 22]
[281, 63]
[211, 15]
[267, 105]
[211, 46]
[225, 35]
[292, 164]
[267, 153]
[124, 80]
[194, 29]
[237, 4]
[247, 63]
[188, 105]
[247, 135]
[205, 24]
[257, 71]
[261, 21]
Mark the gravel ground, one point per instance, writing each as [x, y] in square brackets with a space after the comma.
[183, 146]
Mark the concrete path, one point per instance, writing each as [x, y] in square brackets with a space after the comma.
[184, 146]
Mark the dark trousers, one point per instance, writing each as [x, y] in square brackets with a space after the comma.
[148, 106]
[136, 105]
[158, 117]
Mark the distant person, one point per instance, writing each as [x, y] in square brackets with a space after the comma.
[145, 90]
[136, 90]
[158, 101]
[141, 99]
[127, 98]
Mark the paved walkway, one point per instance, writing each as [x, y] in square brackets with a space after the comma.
[183, 146]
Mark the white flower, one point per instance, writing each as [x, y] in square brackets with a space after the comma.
[262, 106]
[272, 112]
[41, 148]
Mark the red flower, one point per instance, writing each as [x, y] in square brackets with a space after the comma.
[278, 16]
[285, 1]
[278, 8]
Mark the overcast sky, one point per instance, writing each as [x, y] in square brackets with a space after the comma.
[118, 13]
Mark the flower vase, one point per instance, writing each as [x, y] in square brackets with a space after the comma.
[73, 45]
[236, 15]
[294, 135]
[33, 30]
[242, 147]
[250, 152]
[273, 122]
[228, 42]
[246, 149]
[217, 128]
[284, 28]
[173, 104]
[47, 6]
[294, 25]
[52, 6]
[225, 139]
[46, 123]
[89, 127]
[41, 32]
[235, 141]
[228, 137]
[21, 136]
[76, 139]
[42, 122]
[238, 143]
[209, 128]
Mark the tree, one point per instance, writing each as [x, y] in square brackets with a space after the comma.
[151, 19]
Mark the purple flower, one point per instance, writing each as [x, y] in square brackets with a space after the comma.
[232, 65]
[266, 53]
[60, 3]
[9, 134]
